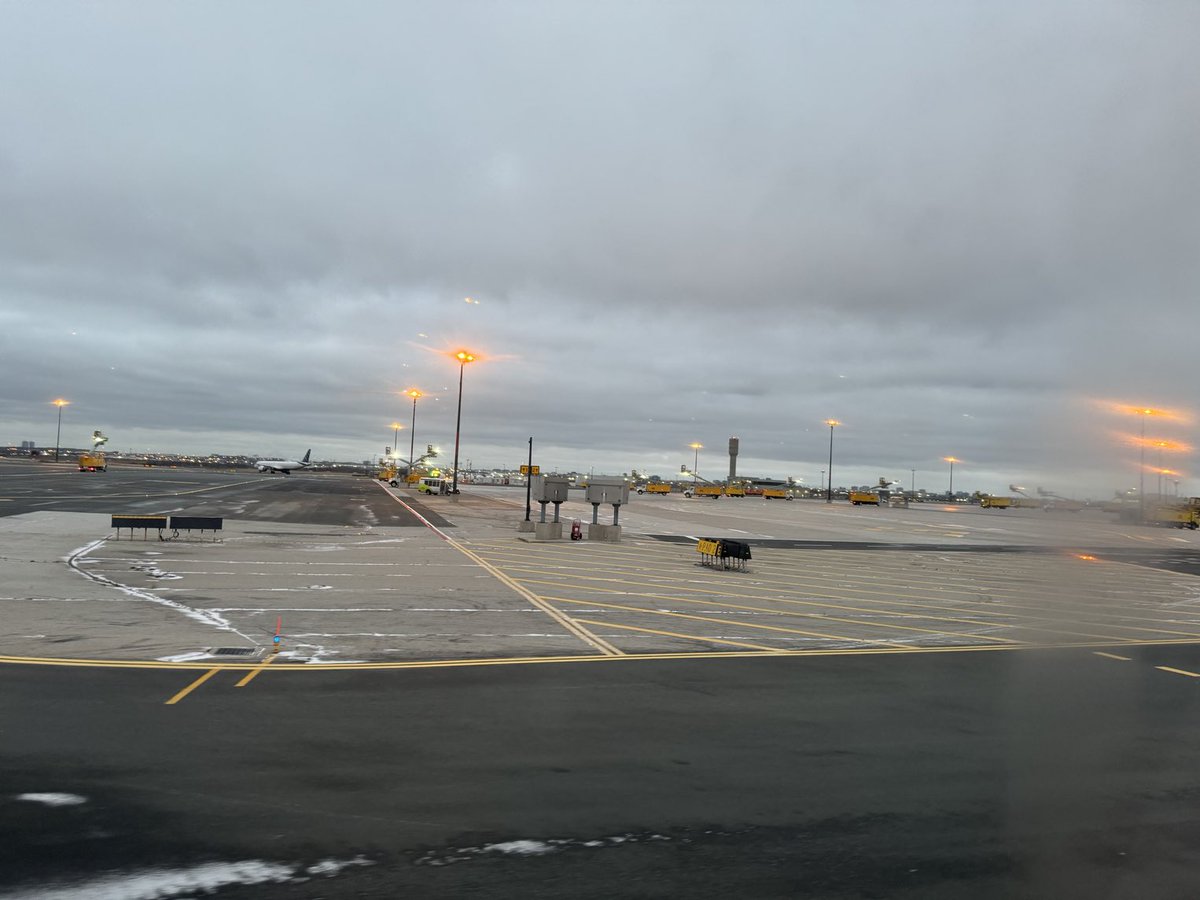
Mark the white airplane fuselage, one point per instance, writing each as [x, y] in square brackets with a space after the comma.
[282, 466]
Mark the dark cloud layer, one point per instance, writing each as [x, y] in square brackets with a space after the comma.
[246, 227]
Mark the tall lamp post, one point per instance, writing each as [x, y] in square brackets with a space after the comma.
[412, 434]
[463, 358]
[396, 426]
[1143, 411]
[952, 460]
[695, 462]
[832, 423]
[60, 403]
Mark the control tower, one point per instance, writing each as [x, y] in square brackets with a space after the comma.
[733, 452]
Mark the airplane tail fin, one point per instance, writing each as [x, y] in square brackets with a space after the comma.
[307, 454]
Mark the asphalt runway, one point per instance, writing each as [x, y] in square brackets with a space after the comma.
[308, 498]
[894, 703]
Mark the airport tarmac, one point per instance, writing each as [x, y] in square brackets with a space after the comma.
[321, 569]
[923, 703]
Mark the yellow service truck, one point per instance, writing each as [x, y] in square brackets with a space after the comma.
[995, 502]
[93, 462]
[860, 498]
[1174, 516]
[654, 489]
[776, 494]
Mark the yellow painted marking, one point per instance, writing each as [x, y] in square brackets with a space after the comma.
[811, 615]
[566, 621]
[1178, 671]
[686, 637]
[191, 687]
[253, 673]
[1112, 656]
[725, 622]
[533, 660]
[896, 598]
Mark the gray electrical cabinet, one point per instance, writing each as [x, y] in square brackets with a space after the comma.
[608, 490]
[549, 488]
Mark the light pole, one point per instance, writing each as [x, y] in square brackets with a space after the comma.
[822, 479]
[695, 463]
[952, 460]
[832, 423]
[396, 426]
[60, 403]
[1143, 411]
[412, 434]
[463, 358]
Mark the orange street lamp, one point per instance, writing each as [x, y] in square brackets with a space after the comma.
[463, 358]
[1144, 412]
[60, 403]
[412, 432]
[952, 460]
[832, 423]
[396, 426]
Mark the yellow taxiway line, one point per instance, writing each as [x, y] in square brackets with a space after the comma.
[191, 687]
[538, 660]
[562, 618]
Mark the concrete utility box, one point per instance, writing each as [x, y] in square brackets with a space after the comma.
[608, 490]
[550, 488]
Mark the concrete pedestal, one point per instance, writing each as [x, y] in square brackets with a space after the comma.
[547, 531]
[525, 526]
[608, 533]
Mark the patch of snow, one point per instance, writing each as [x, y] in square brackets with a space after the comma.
[53, 799]
[519, 848]
[161, 884]
[331, 867]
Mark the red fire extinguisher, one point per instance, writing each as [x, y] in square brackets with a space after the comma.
[576, 531]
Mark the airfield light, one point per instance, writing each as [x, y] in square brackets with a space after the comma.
[832, 423]
[952, 460]
[60, 403]
[463, 358]
[412, 432]
[1143, 412]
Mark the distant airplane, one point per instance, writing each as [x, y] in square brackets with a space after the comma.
[283, 466]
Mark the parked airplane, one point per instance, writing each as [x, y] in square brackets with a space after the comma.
[283, 466]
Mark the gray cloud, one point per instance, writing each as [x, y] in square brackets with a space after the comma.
[227, 227]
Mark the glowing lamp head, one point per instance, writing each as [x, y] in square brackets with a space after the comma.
[832, 422]
[464, 357]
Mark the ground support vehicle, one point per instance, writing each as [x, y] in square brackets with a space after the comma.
[706, 490]
[93, 462]
[776, 494]
[1173, 516]
[995, 502]
[735, 491]
[860, 498]
[654, 489]
[433, 486]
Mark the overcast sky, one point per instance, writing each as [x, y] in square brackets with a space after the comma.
[960, 228]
